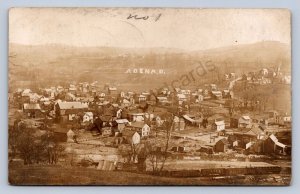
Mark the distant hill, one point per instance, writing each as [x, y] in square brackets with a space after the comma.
[263, 54]
[44, 64]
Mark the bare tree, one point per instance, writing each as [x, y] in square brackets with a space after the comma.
[157, 149]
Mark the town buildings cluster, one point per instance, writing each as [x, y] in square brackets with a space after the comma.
[133, 117]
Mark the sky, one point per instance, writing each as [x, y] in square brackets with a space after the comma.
[186, 29]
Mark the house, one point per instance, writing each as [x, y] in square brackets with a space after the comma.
[131, 137]
[26, 92]
[200, 98]
[32, 110]
[121, 124]
[162, 99]
[142, 128]
[145, 130]
[216, 94]
[272, 116]
[244, 122]
[125, 103]
[219, 125]
[221, 145]
[284, 120]
[68, 111]
[150, 117]
[34, 97]
[272, 145]
[136, 117]
[178, 124]
[106, 131]
[59, 89]
[213, 87]
[72, 89]
[264, 72]
[241, 137]
[142, 98]
[87, 117]
[182, 97]
[122, 94]
[165, 91]
[255, 147]
[112, 91]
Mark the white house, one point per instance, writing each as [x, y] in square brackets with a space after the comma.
[245, 122]
[125, 103]
[87, 117]
[141, 127]
[145, 131]
[26, 92]
[264, 72]
[142, 98]
[181, 97]
[219, 125]
[200, 98]
[132, 137]
[139, 117]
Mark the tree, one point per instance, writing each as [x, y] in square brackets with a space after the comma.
[32, 145]
[157, 149]
[25, 145]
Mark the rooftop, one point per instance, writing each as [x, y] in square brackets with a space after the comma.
[72, 105]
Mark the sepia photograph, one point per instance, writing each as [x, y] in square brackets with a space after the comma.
[149, 96]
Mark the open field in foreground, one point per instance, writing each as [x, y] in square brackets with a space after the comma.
[57, 175]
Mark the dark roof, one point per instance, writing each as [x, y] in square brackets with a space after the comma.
[245, 131]
[128, 133]
[224, 141]
[256, 130]
[137, 124]
[106, 118]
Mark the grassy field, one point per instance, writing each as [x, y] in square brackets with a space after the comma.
[57, 175]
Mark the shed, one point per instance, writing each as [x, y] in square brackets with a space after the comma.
[32, 110]
[221, 145]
